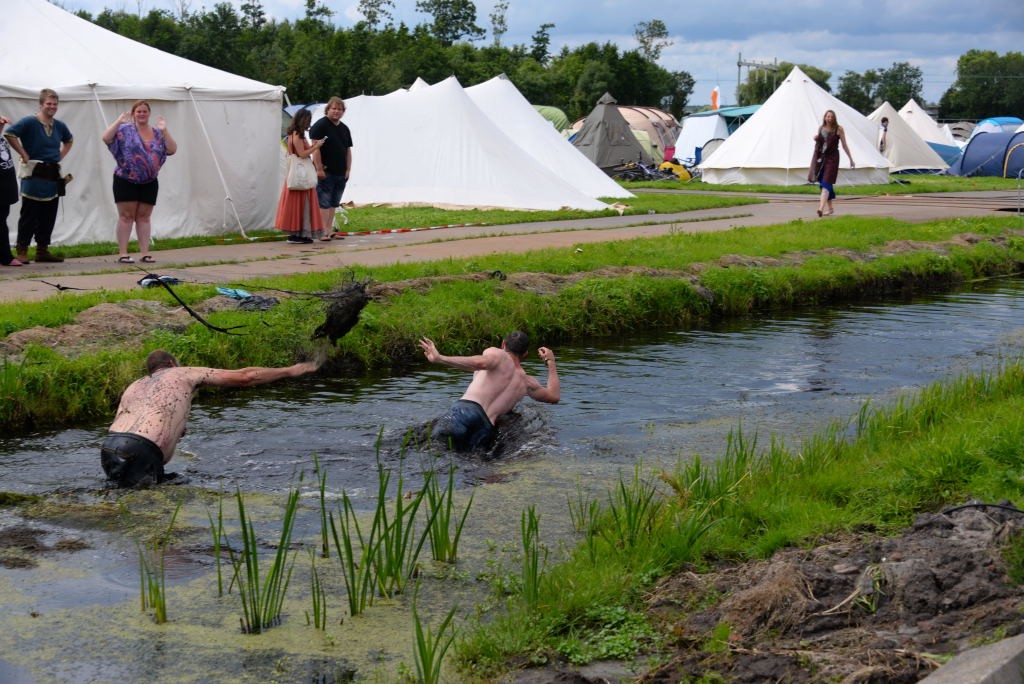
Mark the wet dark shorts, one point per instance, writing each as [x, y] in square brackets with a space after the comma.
[465, 426]
[129, 459]
[143, 193]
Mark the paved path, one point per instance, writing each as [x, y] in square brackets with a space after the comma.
[237, 261]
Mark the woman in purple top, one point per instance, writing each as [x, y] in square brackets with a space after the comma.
[140, 150]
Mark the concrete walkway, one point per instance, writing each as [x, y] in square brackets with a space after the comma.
[236, 261]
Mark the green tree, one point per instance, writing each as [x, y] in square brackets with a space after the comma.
[499, 20]
[542, 43]
[453, 19]
[653, 38]
[376, 11]
[898, 84]
[858, 90]
[680, 88]
[986, 85]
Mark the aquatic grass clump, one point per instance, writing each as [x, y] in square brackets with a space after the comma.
[217, 530]
[263, 597]
[152, 578]
[386, 558]
[431, 646]
[444, 538]
[534, 558]
[318, 596]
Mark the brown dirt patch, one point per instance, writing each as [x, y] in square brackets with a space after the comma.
[859, 608]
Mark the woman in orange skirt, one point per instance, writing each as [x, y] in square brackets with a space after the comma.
[298, 212]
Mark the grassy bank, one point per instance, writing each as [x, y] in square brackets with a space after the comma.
[556, 295]
[377, 218]
[951, 442]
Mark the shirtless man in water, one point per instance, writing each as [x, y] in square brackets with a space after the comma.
[499, 382]
[153, 413]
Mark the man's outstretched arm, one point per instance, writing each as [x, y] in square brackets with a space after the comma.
[552, 392]
[484, 361]
[254, 375]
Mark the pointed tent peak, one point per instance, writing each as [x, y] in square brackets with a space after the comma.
[911, 106]
[607, 99]
[797, 74]
[884, 110]
[419, 83]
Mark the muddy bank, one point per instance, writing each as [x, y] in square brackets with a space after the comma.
[855, 609]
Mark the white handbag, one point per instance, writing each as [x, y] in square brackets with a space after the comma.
[301, 173]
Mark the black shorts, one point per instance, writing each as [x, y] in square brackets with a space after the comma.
[128, 459]
[465, 426]
[144, 193]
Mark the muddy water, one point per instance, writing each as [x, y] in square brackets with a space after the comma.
[654, 397]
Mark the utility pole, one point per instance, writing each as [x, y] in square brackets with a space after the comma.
[740, 63]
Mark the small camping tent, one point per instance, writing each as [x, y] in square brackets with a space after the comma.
[606, 138]
[904, 148]
[500, 100]
[998, 154]
[226, 174]
[431, 145]
[700, 127]
[774, 147]
[656, 129]
[554, 115]
[997, 124]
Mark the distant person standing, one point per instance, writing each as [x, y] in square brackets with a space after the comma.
[825, 163]
[883, 134]
[8, 196]
[139, 150]
[298, 211]
[335, 162]
[42, 141]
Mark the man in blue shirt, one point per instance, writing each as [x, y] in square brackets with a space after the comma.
[44, 141]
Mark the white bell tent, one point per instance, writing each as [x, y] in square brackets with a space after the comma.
[226, 175]
[775, 146]
[904, 148]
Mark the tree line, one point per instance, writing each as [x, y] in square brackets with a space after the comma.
[987, 84]
[314, 59]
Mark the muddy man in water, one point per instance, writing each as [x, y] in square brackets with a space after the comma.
[153, 413]
[499, 382]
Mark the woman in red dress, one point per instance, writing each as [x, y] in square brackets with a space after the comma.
[298, 212]
[825, 164]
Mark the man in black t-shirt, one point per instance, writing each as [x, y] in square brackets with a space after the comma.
[334, 162]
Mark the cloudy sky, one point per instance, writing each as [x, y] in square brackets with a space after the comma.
[709, 37]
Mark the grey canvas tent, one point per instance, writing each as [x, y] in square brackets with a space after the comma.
[606, 138]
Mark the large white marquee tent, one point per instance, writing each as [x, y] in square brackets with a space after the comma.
[431, 145]
[500, 100]
[226, 175]
[774, 146]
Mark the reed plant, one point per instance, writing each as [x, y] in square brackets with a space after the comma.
[217, 530]
[152, 576]
[431, 646]
[534, 556]
[355, 555]
[445, 530]
[321, 476]
[384, 559]
[318, 596]
[263, 596]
